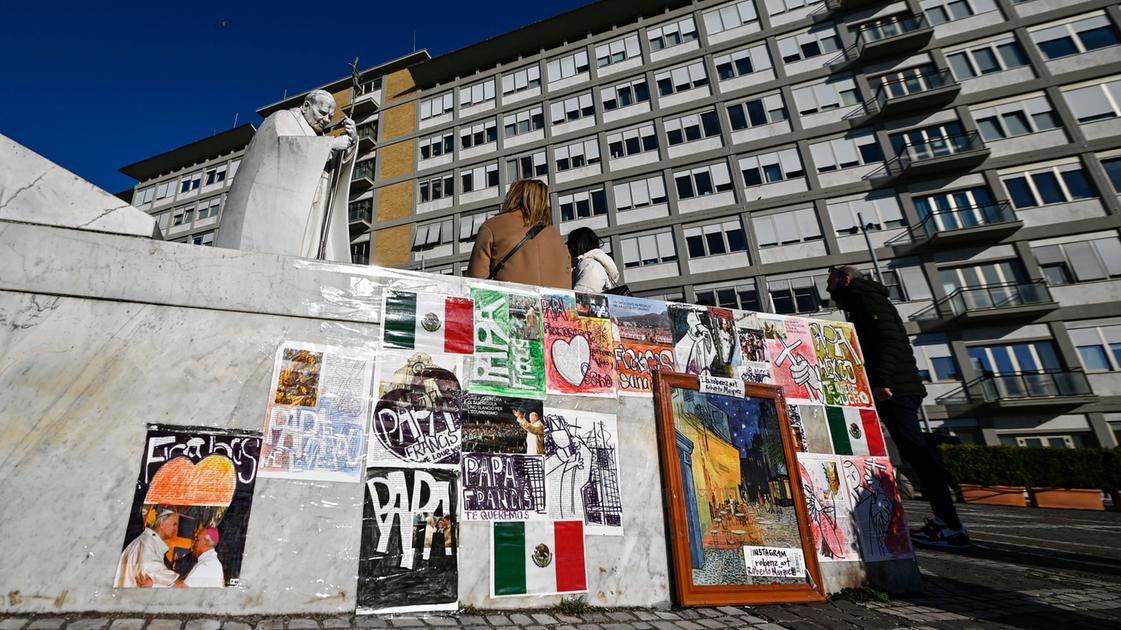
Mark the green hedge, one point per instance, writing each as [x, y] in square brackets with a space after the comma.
[1033, 467]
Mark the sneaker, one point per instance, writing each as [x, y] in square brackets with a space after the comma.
[943, 537]
[930, 528]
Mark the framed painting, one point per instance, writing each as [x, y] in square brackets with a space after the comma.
[739, 530]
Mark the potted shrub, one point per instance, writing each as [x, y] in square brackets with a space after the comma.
[1066, 478]
[987, 475]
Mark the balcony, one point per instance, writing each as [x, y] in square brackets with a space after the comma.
[364, 102]
[367, 137]
[896, 36]
[925, 91]
[986, 223]
[363, 177]
[840, 6]
[1053, 388]
[360, 214]
[941, 154]
[997, 302]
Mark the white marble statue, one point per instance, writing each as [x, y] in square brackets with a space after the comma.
[279, 199]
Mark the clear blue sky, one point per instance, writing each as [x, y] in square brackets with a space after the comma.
[94, 86]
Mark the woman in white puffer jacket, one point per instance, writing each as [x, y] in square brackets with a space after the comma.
[593, 271]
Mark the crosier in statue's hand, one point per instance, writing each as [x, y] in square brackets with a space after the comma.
[344, 142]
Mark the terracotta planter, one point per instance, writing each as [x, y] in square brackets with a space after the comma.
[1011, 496]
[1066, 498]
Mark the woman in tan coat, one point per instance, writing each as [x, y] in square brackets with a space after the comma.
[543, 261]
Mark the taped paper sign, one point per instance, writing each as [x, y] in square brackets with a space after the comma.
[578, 344]
[500, 486]
[498, 424]
[780, 562]
[698, 345]
[582, 469]
[856, 431]
[877, 511]
[793, 362]
[191, 508]
[643, 341]
[753, 366]
[315, 421]
[410, 541]
[509, 357]
[829, 507]
[428, 322]
[544, 558]
[417, 419]
[811, 427]
[840, 364]
[723, 386]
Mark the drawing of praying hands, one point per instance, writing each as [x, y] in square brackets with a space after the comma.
[807, 376]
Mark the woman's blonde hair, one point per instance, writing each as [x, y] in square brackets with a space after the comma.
[531, 198]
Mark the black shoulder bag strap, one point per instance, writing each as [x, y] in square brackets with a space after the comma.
[529, 236]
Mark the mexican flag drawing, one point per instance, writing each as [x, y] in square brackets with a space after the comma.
[537, 558]
[428, 323]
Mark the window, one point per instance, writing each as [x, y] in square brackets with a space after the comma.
[527, 166]
[1015, 119]
[478, 134]
[476, 93]
[437, 106]
[880, 212]
[757, 112]
[768, 168]
[776, 7]
[568, 66]
[1076, 37]
[1053, 184]
[1082, 261]
[706, 180]
[216, 175]
[435, 146]
[648, 249]
[581, 205]
[942, 11]
[363, 170]
[932, 141]
[936, 361]
[523, 122]
[526, 78]
[819, 41]
[209, 208]
[432, 235]
[784, 228]
[183, 215]
[190, 182]
[479, 178]
[1032, 357]
[440, 187]
[988, 274]
[617, 50]
[577, 155]
[361, 210]
[164, 190]
[1099, 101]
[681, 79]
[742, 62]
[1003, 53]
[625, 94]
[469, 225]
[1113, 170]
[632, 141]
[673, 34]
[742, 295]
[206, 239]
[1099, 347]
[797, 295]
[692, 127]
[958, 209]
[728, 17]
[144, 196]
[233, 167]
[853, 149]
[360, 253]
[571, 109]
[826, 95]
[715, 239]
[640, 193]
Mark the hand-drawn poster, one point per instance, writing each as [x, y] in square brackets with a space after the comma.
[429, 323]
[417, 416]
[753, 366]
[729, 353]
[545, 558]
[793, 362]
[855, 431]
[829, 507]
[191, 509]
[578, 348]
[643, 342]
[736, 484]
[318, 409]
[873, 433]
[811, 427]
[877, 510]
[840, 364]
[410, 541]
[582, 469]
[696, 345]
[509, 357]
[499, 486]
[498, 424]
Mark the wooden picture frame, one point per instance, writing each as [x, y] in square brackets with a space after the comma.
[727, 508]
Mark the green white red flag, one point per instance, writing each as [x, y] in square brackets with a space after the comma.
[537, 558]
[428, 322]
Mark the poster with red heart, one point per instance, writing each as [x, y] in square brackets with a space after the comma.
[578, 344]
[190, 512]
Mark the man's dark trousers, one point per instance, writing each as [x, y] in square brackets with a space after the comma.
[901, 416]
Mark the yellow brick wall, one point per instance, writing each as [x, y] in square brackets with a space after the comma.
[394, 246]
[394, 201]
[396, 159]
[397, 85]
[398, 121]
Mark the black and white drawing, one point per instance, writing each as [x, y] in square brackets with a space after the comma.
[582, 469]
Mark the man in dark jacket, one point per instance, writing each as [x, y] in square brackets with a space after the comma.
[898, 390]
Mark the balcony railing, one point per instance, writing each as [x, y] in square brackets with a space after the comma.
[941, 223]
[939, 148]
[971, 300]
[1036, 386]
[364, 212]
[848, 5]
[907, 32]
[937, 86]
